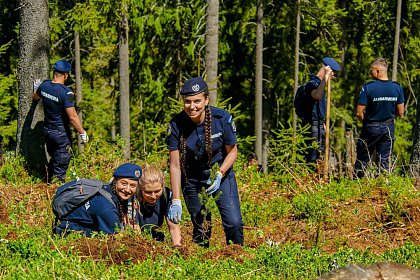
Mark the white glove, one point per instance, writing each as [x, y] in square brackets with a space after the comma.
[175, 211]
[84, 137]
[36, 84]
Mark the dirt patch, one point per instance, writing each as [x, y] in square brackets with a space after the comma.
[358, 223]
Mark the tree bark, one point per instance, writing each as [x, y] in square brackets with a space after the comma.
[396, 42]
[33, 64]
[259, 79]
[124, 84]
[415, 154]
[78, 84]
[296, 74]
[212, 47]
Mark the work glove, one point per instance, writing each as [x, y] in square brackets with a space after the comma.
[216, 183]
[36, 84]
[84, 137]
[175, 211]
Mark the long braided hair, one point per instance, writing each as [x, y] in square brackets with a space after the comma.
[207, 138]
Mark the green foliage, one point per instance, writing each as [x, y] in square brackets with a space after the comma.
[311, 206]
[13, 171]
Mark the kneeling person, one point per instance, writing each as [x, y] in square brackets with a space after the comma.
[99, 213]
[153, 201]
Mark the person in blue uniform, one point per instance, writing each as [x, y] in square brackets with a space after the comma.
[197, 138]
[151, 206]
[59, 113]
[379, 101]
[315, 105]
[98, 214]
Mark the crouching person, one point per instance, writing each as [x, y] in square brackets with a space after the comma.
[88, 206]
[152, 203]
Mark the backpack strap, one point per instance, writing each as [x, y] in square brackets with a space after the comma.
[107, 195]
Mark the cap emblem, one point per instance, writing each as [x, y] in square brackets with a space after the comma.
[137, 173]
[195, 87]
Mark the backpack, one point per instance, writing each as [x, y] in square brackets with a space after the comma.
[300, 102]
[71, 195]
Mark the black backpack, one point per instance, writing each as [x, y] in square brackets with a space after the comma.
[301, 102]
[75, 193]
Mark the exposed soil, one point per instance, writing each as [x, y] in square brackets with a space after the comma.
[357, 223]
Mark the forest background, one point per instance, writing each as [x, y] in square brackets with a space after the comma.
[167, 46]
[297, 226]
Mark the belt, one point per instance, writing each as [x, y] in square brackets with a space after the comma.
[56, 127]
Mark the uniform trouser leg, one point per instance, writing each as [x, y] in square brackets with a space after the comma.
[200, 218]
[374, 136]
[58, 145]
[317, 136]
[384, 147]
[227, 203]
[230, 210]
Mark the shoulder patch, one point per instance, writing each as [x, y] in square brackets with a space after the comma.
[232, 123]
[70, 97]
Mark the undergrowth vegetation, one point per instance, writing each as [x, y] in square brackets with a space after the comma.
[296, 227]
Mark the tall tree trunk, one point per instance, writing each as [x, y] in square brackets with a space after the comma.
[212, 42]
[259, 79]
[415, 154]
[296, 75]
[33, 64]
[124, 84]
[78, 84]
[396, 42]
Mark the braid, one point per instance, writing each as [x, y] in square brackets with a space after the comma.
[207, 132]
[182, 153]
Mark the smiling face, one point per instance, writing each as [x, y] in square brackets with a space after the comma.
[151, 192]
[125, 188]
[195, 106]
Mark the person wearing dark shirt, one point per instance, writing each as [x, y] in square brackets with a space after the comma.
[99, 214]
[59, 113]
[315, 104]
[198, 138]
[379, 101]
[152, 202]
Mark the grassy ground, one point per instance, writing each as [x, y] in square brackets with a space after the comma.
[294, 229]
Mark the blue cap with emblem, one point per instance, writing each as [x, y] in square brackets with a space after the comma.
[128, 170]
[62, 66]
[194, 86]
[328, 61]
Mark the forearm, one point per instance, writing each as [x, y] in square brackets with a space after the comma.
[175, 231]
[175, 172]
[75, 122]
[232, 154]
[319, 92]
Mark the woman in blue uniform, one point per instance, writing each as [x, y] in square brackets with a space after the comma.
[99, 214]
[152, 203]
[198, 138]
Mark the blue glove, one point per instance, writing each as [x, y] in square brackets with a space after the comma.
[216, 184]
[175, 211]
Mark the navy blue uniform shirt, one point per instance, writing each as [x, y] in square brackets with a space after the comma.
[380, 98]
[151, 217]
[97, 214]
[316, 107]
[223, 132]
[56, 98]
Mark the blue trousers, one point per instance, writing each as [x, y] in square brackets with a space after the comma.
[58, 146]
[227, 203]
[377, 137]
[318, 136]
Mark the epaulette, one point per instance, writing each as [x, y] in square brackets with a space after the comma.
[395, 82]
[217, 112]
[370, 82]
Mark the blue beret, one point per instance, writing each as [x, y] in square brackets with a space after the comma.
[328, 61]
[194, 86]
[62, 66]
[128, 170]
